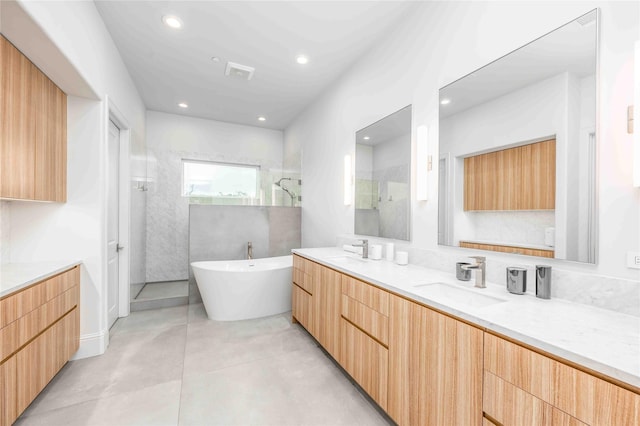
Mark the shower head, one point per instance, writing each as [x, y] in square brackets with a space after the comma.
[278, 182]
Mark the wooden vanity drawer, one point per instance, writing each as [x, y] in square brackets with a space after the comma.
[511, 405]
[519, 366]
[302, 307]
[8, 406]
[370, 321]
[366, 361]
[21, 303]
[366, 294]
[303, 280]
[576, 393]
[19, 332]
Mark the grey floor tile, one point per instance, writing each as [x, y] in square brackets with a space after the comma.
[197, 313]
[132, 361]
[154, 405]
[298, 388]
[152, 319]
[164, 290]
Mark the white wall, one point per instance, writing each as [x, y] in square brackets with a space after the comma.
[439, 43]
[171, 138]
[76, 229]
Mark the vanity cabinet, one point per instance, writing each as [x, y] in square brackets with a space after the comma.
[316, 302]
[435, 367]
[365, 337]
[39, 332]
[508, 249]
[33, 135]
[523, 387]
[520, 178]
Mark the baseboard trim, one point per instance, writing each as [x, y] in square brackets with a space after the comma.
[92, 344]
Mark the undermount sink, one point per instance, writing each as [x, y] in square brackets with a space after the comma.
[456, 296]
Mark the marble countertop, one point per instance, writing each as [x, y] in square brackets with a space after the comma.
[508, 244]
[601, 340]
[16, 276]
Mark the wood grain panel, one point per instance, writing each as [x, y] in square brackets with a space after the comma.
[520, 178]
[301, 307]
[367, 319]
[508, 249]
[41, 359]
[327, 308]
[366, 361]
[519, 366]
[50, 120]
[400, 343]
[24, 301]
[560, 418]
[366, 294]
[538, 176]
[8, 386]
[511, 405]
[303, 280]
[17, 152]
[446, 367]
[592, 400]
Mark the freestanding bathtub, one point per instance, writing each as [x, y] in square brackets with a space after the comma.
[242, 289]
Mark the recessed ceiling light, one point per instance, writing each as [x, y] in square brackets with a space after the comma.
[215, 59]
[183, 105]
[261, 118]
[302, 60]
[445, 101]
[172, 21]
[366, 138]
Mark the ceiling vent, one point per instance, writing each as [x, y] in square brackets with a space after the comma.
[240, 71]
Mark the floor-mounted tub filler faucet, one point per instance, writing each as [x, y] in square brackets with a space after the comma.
[249, 250]
[481, 270]
[365, 248]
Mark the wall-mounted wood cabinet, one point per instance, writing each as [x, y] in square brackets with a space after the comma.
[521, 178]
[33, 135]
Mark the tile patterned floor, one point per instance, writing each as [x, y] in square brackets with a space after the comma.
[173, 366]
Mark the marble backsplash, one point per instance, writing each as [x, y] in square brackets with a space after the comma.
[620, 295]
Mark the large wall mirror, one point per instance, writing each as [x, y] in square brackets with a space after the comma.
[383, 170]
[517, 166]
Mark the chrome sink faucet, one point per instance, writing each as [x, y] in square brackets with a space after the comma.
[481, 270]
[365, 248]
[249, 250]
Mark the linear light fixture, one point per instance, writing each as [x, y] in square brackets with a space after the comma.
[347, 180]
[423, 164]
[636, 118]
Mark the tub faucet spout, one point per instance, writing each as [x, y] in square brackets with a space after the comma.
[249, 250]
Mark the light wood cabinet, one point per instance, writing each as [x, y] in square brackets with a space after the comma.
[327, 308]
[33, 135]
[508, 249]
[39, 332]
[366, 360]
[520, 178]
[562, 393]
[436, 361]
[8, 401]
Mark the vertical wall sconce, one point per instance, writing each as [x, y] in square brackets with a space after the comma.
[423, 166]
[636, 118]
[347, 180]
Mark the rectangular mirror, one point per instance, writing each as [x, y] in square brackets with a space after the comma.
[383, 170]
[517, 166]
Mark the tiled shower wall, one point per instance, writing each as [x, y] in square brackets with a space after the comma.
[222, 233]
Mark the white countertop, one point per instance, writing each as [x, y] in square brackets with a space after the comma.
[16, 276]
[604, 341]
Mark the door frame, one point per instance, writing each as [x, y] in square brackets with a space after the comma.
[112, 113]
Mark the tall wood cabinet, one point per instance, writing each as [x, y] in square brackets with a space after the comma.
[435, 367]
[39, 332]
[33, 135]
[521, 178]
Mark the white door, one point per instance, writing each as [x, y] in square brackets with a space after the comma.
[113, 209]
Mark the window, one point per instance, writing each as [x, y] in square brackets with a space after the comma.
[209, 179]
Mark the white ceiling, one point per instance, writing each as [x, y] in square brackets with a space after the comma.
[171, 66]
[386, 129]
[570, 48]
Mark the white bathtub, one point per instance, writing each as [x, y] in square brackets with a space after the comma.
[242, 289]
